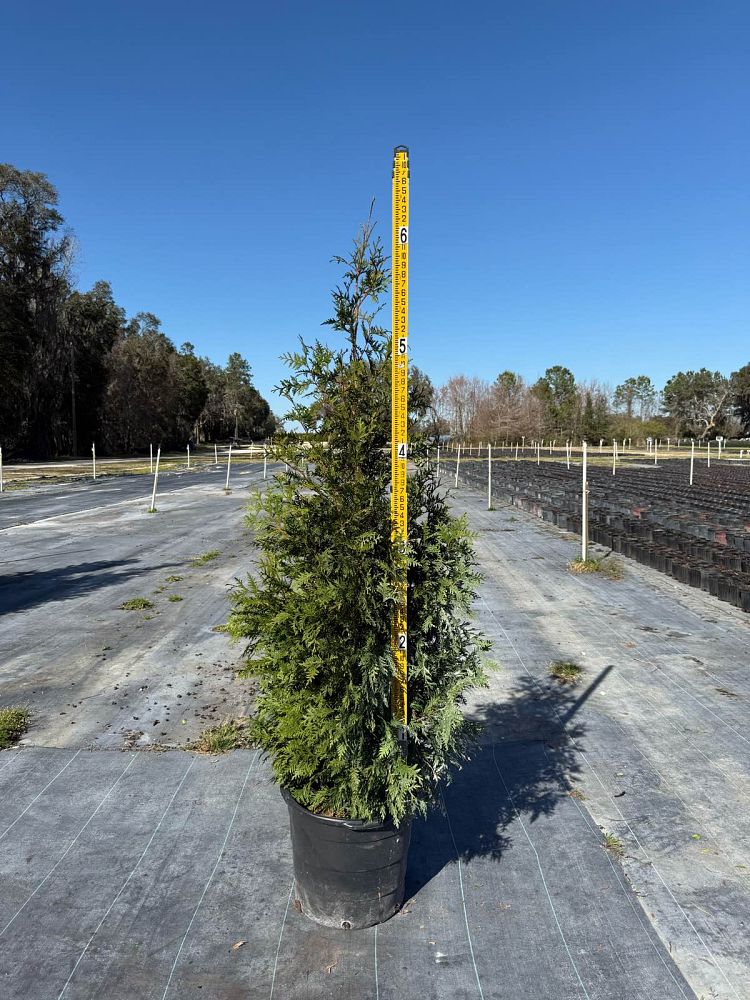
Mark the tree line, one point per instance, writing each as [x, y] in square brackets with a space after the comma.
[75, 369]
[700, 404]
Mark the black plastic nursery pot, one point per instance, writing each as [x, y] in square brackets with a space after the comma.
[348, 873]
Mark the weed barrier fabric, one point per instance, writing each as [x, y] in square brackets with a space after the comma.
[699, 536]
[164, 875]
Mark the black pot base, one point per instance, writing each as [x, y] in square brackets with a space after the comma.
[348, 873]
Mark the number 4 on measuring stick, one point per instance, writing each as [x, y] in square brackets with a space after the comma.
[401, 452]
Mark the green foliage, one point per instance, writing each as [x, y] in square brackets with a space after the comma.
[614, 845]
[75, 370]
[741, 389]
[606, 566]
[206, 557]
[638, 389]
[14, 722]
[35, 259]
[231, 735]
[565, 671]
[136, 604]
[556, 390]
[318, 613]
[699, 401]
[595, 423]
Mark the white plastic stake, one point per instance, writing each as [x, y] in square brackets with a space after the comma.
[265, 460]
[1, 470]
[216, 455]
[585, 507]
[516, 450]
[692, 459]
[538, 453]
[151, 459]
[438, 461]
[614, 456]
[489, 477]
[152, 508]
[458, 462]
[656, 453]
[188, 449]
[93, 458]
[567, 452]
[229, 466]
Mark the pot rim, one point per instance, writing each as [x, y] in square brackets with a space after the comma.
[350, 824]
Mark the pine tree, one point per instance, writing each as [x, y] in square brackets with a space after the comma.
[317, 615]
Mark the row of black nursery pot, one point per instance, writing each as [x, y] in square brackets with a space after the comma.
[698, 536]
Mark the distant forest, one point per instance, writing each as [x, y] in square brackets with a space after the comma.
[692, 404]
[75, 370]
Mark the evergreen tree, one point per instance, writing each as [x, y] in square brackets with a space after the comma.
[318, 613]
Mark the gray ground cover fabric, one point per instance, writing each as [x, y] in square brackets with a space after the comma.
[132, 874]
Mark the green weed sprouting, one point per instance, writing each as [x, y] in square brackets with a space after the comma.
[14, 721]
[207, 557]
[137, 604]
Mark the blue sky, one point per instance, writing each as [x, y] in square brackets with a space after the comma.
[579, 170]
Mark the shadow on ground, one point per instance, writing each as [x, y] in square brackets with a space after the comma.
[526, 763]
[24, 590]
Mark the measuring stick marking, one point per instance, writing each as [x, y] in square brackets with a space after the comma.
[399, 406]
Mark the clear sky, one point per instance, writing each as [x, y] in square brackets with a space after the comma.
[580, 170]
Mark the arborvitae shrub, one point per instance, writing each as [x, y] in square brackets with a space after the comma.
[317, 614]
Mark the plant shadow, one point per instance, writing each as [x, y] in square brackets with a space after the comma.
[31, 588]
[524, 765]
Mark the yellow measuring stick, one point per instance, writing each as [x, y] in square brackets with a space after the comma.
[399, 408]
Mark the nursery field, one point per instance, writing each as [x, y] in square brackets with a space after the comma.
[594, 847]
[699, 535]
[93, 672]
